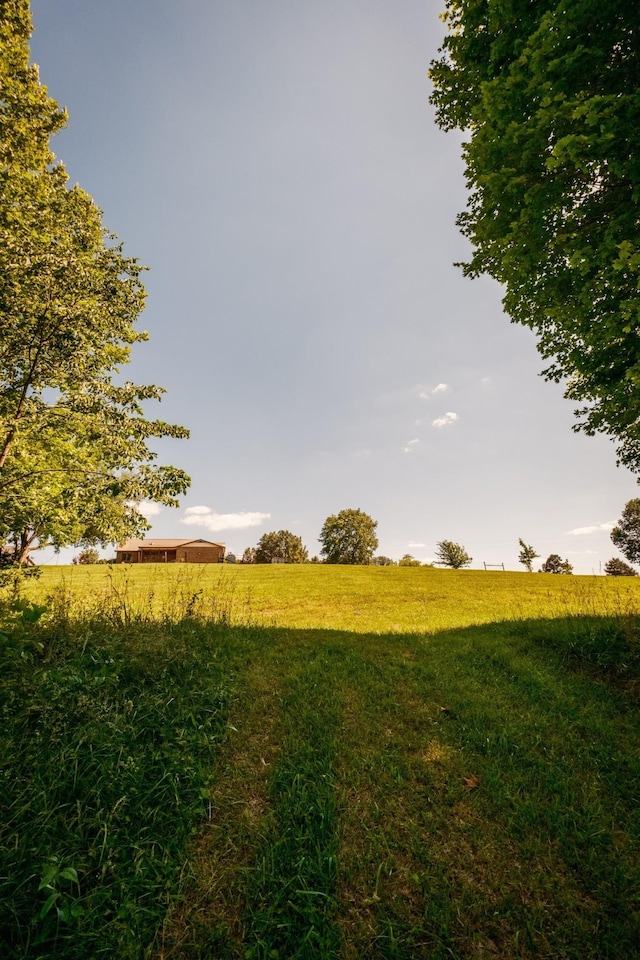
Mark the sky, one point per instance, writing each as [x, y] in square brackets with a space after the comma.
[278, 168]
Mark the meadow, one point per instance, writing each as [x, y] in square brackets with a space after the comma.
[319, 762]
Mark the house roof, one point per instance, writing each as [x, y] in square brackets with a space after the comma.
[130, 546]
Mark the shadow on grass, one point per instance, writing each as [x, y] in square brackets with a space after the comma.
[472, 792]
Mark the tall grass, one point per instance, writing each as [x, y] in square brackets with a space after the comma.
[111, 724]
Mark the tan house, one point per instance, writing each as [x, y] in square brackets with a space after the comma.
[170, 551]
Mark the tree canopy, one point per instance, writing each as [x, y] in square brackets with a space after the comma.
[618, 568]
[408, 561]
[626, 534]
[349, 537]
[449, 554]
[547, 96]
[527, 554]
[280, 545]
[555, 564]
[74, 459]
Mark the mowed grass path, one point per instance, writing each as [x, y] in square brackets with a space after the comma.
[403, 763]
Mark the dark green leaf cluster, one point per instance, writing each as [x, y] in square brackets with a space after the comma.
[547, 95]
[349, 537]
[451, 554]
[281, 545]
[618, 568]
[555, 564]
[626, 534]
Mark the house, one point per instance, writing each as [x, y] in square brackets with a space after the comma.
[170, 551]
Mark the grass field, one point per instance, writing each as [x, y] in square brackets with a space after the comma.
[320, 762]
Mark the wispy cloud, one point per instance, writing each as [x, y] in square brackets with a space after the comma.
[445, 421]
[440, 388]
[208, 518]
[582, 531]
[413, 543]
[410, 446]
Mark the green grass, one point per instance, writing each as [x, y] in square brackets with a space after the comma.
[320, 762]
[361, 599]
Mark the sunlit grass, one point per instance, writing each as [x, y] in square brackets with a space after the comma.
[362, 599]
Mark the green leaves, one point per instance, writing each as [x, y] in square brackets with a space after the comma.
[73, 440]
[548, 96]
[283, 545]
[626, 534]
[452, 555]
[349, 537]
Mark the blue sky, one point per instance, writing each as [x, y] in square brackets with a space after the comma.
[278, 168]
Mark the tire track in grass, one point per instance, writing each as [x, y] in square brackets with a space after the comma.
[208, 922]
[434, 868]
[291, 892]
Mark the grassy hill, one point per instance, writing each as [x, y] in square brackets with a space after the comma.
[320, 762]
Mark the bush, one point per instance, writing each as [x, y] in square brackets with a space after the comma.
[618, 568]
[451, 554]
[555, 564]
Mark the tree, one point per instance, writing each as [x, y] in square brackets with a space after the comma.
[381, 561]
[555, 564]
[87, 556]
[74, 460]
[282, 545]
[618, 568]
[546, 94]
[451, 554]
[408, 561]
[626, 535]
[527, 555]
[349, 537]
[249, 555]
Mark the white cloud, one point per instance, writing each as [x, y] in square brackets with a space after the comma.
[582, 531]
[197, 511]
[445, 421]
[206, 517]
[147, 508]
[412, 543]
[410, 446]
[440, 388]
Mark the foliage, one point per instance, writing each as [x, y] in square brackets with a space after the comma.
[280, 545]
[408, 561]
[555, 564]
[527, 555]
[349, 537]
[451, 554]
[86, 556]
[626, 534]
[618, 568]
[382, 561]
[249, 555]
[74, 460]
[547, 96]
